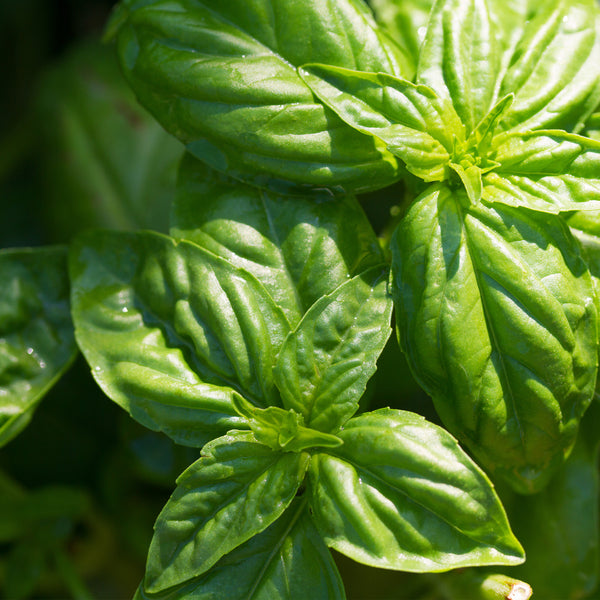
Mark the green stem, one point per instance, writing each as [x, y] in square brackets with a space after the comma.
[71, 578]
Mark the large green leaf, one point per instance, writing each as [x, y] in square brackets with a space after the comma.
[107, 162]
[414, 123]
[496, 313]
[300, 250]
[460, 58]
[222, 79]
[286, 561]
[234, 491]
[559, 526]
[554, 68]
[36, 333]
[401, 494]
[170, 330]
[325, 363]
[550, 171]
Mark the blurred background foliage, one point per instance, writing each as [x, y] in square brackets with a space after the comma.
[81, 486]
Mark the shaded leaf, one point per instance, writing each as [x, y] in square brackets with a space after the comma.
[559, 526]
[107, 162]
[36, 333]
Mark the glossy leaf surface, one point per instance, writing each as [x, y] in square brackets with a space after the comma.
[412, 121]
[496, 313]
[222, 79]
[36, 334]
[325, 363]
[478, 51]
[401, 494]
[234, 491]
[288, 560]
[170, 330]
[553, 71]
[549, 171]
[297, 248]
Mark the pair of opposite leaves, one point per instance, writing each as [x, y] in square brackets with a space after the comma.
[261, 305]
[495, 308]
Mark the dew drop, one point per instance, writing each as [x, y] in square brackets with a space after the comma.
[124, 309]
[421, 32]
[30, 351]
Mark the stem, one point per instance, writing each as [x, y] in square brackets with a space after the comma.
[71, 578]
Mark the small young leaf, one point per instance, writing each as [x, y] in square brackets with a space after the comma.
[282, 429]
[324, 365]
[170, 330]
[412, 121]
[299, 249]
[401, 494]
[234, 491]
[286, 561]
[222, 79]
[36, 333]
[497, 316]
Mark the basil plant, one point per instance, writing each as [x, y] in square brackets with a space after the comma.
[251, 330]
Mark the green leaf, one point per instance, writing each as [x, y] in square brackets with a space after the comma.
[170, 331]
[550, 171]
[412, 121]
[401, 494]
[299, 249]
[553, 71]
[460, 58]
[282, 429]
[234, 491]
[22, 515]
[325, 363]
[286, 561]
[222, 79]
[559, 526]
[107, 162]
[24, 568]
[471, 180]
[407, 22]
[496, 313]
[36, 333]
